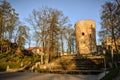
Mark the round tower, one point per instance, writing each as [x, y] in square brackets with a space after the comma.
[85, 36]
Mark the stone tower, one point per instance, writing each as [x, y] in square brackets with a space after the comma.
[85, 37]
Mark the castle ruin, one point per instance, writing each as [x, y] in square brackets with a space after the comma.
[85, 37]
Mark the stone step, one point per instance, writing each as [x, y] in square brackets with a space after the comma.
[72, 63]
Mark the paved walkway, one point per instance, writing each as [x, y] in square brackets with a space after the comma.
[45, 76]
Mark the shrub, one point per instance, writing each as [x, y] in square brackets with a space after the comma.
[111, 75]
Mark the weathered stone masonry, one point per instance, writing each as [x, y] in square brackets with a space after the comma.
[85, 36]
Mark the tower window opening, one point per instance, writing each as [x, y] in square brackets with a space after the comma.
[83, 33]
[90, 36]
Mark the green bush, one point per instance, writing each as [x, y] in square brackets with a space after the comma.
[3, 65]
[14, 60]
[111, 75]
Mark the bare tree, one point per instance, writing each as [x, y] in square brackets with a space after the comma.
[21, 37]
[62, 35]
[46, 23]
[62, 32]
[38, 20]
[70, 38]
[109, 22]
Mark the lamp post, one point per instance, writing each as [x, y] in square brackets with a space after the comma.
[104, 52]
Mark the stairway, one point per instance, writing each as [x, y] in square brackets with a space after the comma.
[74, 63]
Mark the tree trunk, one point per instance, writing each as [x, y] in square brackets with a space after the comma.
[62, 43]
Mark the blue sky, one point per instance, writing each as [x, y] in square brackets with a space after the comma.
[74, 9]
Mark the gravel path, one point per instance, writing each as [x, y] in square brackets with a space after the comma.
[45, 76]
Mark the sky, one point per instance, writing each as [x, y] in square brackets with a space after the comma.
[75, 9]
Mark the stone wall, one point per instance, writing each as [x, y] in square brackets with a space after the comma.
[85, 36]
